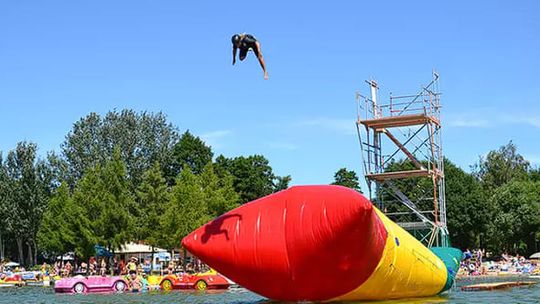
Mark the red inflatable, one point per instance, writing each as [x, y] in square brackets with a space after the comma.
[308, 242]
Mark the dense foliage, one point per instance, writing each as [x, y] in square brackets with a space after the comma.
[25, 191]
[512, 201]
[131, 176]
[497, 206]
[252, 176]
[347, 178]
[142, 139]
[122, 177]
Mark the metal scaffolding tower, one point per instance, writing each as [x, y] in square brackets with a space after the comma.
[402, 153]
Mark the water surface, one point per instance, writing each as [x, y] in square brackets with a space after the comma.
[45, 295]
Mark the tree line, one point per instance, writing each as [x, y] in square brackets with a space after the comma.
[124, 176]
[500, 210]
[496, 206]
[129, 176]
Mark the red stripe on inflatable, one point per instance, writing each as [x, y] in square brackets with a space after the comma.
[305, 243]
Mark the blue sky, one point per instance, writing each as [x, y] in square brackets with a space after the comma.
[60, 60]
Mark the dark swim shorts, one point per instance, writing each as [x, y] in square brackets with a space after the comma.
[248, 42]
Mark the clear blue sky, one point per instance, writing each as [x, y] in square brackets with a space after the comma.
[60, 60]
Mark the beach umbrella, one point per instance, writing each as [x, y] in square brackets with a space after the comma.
[535, 256]
[102, 251]
[12, 264]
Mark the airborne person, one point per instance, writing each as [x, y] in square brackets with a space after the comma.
[246, 42]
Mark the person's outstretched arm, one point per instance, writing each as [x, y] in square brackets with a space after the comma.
[261, 59]
[234, 54]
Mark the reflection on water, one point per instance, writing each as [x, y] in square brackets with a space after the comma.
[237, 296]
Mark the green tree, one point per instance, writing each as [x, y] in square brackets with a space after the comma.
[516, 219]
[346, 178]
[56, 233]
[103, 198]
[143, 138]
[195, 200]
[282, 182]
[153, 198]
[501, 166]
[87, 198]
[252, 176]
[468, 210]
[187, 209]
[534, 174]
[115, 223]
[191, 151]
[5, 205]
[58, 169]
[219, 192]
[30, 187]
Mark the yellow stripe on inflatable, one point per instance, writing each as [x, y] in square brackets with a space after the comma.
[406, 270]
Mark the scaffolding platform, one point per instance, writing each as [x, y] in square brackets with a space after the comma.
[406, 128]
[399, 121]
[381, 177]
[415, 225]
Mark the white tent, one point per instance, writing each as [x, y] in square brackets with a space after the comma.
[133, 249]
[12, 264]
[535, 256]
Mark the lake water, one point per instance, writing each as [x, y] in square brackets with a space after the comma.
[46, 295]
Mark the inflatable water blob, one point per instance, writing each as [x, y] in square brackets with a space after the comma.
[320, 243]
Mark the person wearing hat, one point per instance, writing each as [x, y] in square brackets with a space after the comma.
[245, 42]
[131, 265]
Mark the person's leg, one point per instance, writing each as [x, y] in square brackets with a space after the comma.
[258, 52]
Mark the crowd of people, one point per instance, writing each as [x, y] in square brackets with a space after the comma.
[133, 269]
[474, 263]
[112, 266]
[477, 263]
[4, 268]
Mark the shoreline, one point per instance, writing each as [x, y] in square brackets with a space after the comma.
[490, 276]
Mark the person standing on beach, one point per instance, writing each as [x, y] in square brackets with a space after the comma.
[131, 265]
[103, 269]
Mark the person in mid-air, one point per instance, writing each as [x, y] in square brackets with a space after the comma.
[246, 42]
